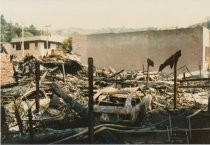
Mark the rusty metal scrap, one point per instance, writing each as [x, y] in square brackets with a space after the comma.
[171, 60]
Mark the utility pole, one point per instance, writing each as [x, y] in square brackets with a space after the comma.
[22, 44]
[47, 26]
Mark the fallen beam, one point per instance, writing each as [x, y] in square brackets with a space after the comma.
[46, 137]
[194, 86]
[8, 85]
[107, 135]
[69, 99]
[197, 79]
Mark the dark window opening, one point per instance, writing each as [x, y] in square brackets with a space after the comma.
[18, 47]
[36, 44]
[48, 45]
[45, 45]
[26, 46]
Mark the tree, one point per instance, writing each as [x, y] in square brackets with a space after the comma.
[67, 45]
[32, 29]
[18, 30]
[9, 30]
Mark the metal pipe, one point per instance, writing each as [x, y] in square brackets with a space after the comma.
[187, 138]
[168, 131]
[190, 129]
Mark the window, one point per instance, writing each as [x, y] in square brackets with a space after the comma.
[36, 44]
[26, 46]
[48, 45]
[18, 46]
[45, 45]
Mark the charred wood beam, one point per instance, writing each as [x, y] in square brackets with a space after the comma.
[209, 105]
[46, 137]
[90, 101]
[30, 117]
[197, 79]
[42, 78]
[184, 66]
[83, 112]
[3, 116]
[18, 118]
[112, 76]
[149, 63]
[69, 99]
[54, 77]
[204, 86]
[175, 83]
[4, 126]
[117, 73]
[196, 112]
[64, 73]
[172, 61]
[37, 73]
[8, 85]
[54, 69]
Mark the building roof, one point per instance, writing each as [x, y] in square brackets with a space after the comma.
[40, 38]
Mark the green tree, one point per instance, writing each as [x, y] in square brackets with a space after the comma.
[32, 29]
[67, 45]
[9, 30]
[18, 30]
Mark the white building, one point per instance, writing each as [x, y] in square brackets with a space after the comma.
[36, 46]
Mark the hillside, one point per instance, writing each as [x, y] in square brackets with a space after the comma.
[74, 31]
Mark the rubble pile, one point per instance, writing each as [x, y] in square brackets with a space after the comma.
[120, 97]
[6, 69]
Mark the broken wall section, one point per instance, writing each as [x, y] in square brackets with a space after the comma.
[6, 69]
[131, 49]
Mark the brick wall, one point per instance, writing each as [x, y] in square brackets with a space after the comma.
[6, 69]
[130, 50]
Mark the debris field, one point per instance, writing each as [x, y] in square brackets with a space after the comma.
[49, 103]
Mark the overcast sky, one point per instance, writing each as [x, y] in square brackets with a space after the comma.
[106, 13]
